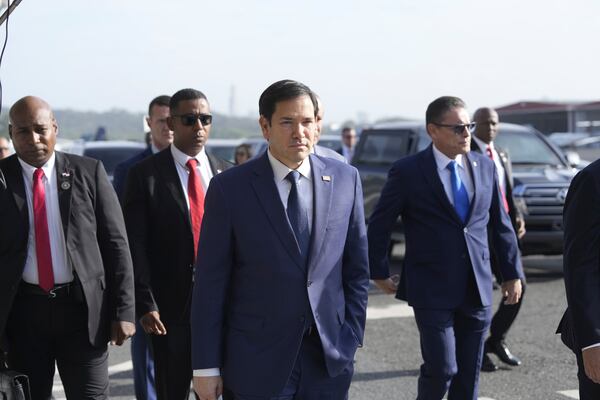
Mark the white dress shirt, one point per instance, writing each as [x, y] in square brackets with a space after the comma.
[203, 167]
[442, 161]
[499, 167]
[347, 152]
[305, 192]
[61, 269]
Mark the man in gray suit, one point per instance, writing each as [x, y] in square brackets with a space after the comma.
[66, 277]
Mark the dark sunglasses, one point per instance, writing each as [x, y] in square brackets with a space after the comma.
[459, 128]
[190, 119]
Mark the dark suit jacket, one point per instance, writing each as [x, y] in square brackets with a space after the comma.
[513, 211]
[160, 236]
[580, 326]
[253, 293]
[121, 171]
[440, 248]
[95, 239]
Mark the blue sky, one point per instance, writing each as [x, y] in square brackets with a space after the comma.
[377, 58]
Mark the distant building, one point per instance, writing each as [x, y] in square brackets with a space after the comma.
[548, 117]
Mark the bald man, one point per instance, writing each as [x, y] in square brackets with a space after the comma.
[66, 282]
[482, 141]
[4, 147]
[322, 150]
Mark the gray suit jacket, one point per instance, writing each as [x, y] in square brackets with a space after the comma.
[95, 239]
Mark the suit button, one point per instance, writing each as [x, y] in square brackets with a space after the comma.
[465, 230]
[308, 283]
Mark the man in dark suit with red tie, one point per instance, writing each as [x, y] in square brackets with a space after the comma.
[164, 206]
[482, 141]
[66, 279]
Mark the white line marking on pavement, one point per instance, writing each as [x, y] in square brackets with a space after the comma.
[391, 311]
[113, 369]
[572, 394]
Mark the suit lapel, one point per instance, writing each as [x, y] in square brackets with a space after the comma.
[64, 178]
[165, 165]
[14, 181]
[268, 196]
[322, 196]
[475, 178]
[429, 168]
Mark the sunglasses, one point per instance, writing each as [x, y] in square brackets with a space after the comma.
[190, 119]
[458, 129]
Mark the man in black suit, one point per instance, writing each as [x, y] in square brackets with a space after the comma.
[66, 281]
[486, 130]
[348, 143]
[580, 325]
[164, 205]
[160, 137]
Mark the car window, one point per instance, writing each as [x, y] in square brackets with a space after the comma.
[224, 152]
[112, 156]
[383, 147]
[330, 143]
[527, 148]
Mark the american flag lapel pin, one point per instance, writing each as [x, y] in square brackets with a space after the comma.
[326, 178]
[474, 163]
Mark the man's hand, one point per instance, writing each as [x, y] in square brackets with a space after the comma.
[152, 324]
[120, 331]
[208, 387]
[511, 290]
[520, 228]
[389, 285]
[591, 363]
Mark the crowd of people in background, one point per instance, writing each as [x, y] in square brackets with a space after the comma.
[251, 279]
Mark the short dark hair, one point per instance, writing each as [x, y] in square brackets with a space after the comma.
[183, 95]
[162, 101]
[281, 91]
[440, 106]
[347, 129]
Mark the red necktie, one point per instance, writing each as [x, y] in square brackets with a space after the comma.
[42, 238]
[196, 198]
[490, 154]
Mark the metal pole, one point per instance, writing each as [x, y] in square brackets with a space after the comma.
[10, 9]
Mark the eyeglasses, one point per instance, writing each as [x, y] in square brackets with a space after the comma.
[458, 129]
[190, 119]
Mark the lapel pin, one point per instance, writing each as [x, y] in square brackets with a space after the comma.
[219, 171]
[326, 178]
[65, 186]
[474, 163]
[66, 174]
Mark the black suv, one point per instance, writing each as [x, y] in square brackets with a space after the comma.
[541, 175]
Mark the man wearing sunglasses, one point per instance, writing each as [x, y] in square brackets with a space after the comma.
[486, 129]
[446, 197]
[164, 206]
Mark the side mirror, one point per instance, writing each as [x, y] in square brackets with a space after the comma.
[573, 158]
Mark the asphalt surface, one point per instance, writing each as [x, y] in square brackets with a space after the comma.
[387, 367]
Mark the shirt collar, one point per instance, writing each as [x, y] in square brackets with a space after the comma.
[483, 145]
[181, 158]
[442, 160]
[280, 170]
[48, 167]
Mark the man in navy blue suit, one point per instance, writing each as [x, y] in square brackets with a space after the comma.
[160, 138]
[279, 305]
[446, 196]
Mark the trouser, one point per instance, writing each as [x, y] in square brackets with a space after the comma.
[143, 365]
[45, 331]
[309, 379]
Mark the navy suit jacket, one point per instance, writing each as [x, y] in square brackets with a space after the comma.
[121, 170]
[580, 325]
[440, 248]
[253, 294]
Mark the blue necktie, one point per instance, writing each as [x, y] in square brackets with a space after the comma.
[297, 214]
[459, 191]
